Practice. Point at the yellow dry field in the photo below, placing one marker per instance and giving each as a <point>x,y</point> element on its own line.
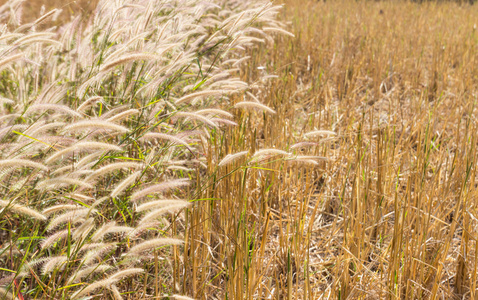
<point>391,212</point>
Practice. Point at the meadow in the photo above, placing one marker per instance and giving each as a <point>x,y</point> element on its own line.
<point>182,149</point>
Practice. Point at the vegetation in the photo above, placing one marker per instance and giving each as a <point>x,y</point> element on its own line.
<point>239,150</point>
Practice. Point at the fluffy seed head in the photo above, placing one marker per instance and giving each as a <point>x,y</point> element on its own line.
<point>153,244</point>
<point>230,158</point>
<point>158,188</point>
<point>251,104</point>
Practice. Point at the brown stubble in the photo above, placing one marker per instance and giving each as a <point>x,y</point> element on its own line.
<point>391,216</point>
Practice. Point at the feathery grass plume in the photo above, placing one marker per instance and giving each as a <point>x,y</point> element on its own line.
<point>313,157</point>
<point>113,167</point>
<point>15,162</point>
<point>59,182</point>
<point>8,36</point>
<point>180,297</point>
<point>88,102</point>
<point>79,197</point>
<point>164,136</point>
<point>6,280</point>
<point>97,253</point>
<point>4,100</point>
<point>159,204</point>
<point>123,185</point>
<point>224,121</point>
<point>158,188</point>
<point>70,216</point>
<point>26,268</point>
<point>266,152</point>
<point>159,212</point>
<point>43,128</point>
<point>93,286</point>
<point>82,231</point>
<point>86,84</point>
<point>303,144</point>
<point>59,171</point>
<point>90,246</point>
<point>8,117</point>
<point>100,232</point>
<point>230,84</point>
<point>190,133</point>
<point>140,228</point>
<point>263,78</point>
<point>277,30</point>
<point>34,35</point>
<point>230,158</point>
<point>99,201</point>
<point>109,228</point>
<point>50,241</point>
<point>53,263</point>
<point>126,273</point>
<point>80,173</point>
<point>179,168</point>
<point>320,132</point>
<point>195,116</point>
<point>95,124</point>
<point>9,129</point>
<point>214,111</point>
<point>129,58</point>
<point>46,16</point>
<point>43,40</point>
<point>54,107</point>
<point>241,60</point>
<point>200,94</point>
<point>82,146</point>
<point>23,210</point>
<point>89,159</point>
<point>114,289</point>
<point>123,115</point>
<point>87,271</point>
<point>10,59</point>
<point>252,104</point>
<point>153,244</point>
<point>303,160</point>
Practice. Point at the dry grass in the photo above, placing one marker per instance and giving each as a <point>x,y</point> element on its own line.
<point>347,170</point>
<point>393,213</point>
<point>33,9</point>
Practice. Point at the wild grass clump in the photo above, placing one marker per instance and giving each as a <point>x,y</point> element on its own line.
<point>104,135</point>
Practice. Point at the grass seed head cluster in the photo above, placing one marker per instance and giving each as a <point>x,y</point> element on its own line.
<point>104,126</point>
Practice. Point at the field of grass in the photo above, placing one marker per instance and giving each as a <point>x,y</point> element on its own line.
<point>239,150</point>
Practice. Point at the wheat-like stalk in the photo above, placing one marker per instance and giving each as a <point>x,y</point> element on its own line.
<point>255,105</point>
<point>320,132</point>
<point>161,211</point>
<point>159,204</point>
<point>152,244</point>
<point>230,158</point>
<point>20,209</point>
<point>158,188</point>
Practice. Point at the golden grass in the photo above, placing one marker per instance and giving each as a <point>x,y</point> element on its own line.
<point>385,209</point>
<point>393,215</point>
